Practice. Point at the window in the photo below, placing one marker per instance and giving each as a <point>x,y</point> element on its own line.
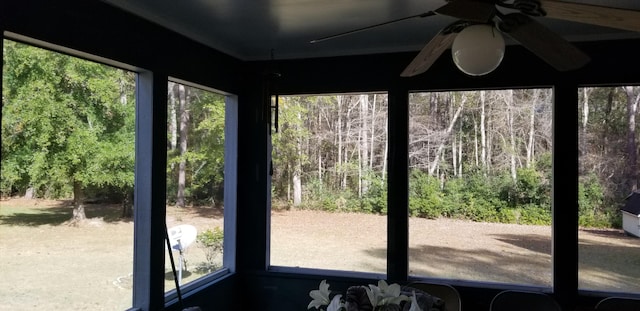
<point>328,184</point>
<point>200,171</point>
<point>479,186</point>
<point>609,248</point>
<point>66,232</point>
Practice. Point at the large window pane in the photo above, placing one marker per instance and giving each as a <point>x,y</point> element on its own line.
<point>328,183</point>
<point>195,182</point>
<point>480,180</point>
<point>609,249</point>
<point>66,233</point>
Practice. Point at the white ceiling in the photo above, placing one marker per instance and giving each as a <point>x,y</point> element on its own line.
<point>252,29</point>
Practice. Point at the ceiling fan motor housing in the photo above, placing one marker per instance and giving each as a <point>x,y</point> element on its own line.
<point>478,49</point>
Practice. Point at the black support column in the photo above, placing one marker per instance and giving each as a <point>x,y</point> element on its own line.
<point>398,186</point>
<point>565,195</point>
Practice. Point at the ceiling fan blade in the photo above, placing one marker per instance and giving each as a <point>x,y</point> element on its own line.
<point>430,53</point>
<point>544,43</point>
<point>469,10</point>
<point>425,14</point>
<point>593,14</point>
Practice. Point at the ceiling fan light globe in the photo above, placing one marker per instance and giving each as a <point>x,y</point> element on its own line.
<point>478,49</point>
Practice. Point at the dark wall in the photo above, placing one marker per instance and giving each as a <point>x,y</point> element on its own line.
<point>612,62</point>
<point>100,29</point>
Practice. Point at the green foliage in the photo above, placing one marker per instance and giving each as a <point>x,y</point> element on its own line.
<point>474,198</point>
<point>591,203</point>
<point>425,197</point>
<point>64,120</point>
<point>375,199</point>
<point>527,187</point>
<point>205,150</point>
<point>531,214</point>
<point>212,243</point>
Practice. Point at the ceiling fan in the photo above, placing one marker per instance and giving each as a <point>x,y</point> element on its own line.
<point>485,17</point>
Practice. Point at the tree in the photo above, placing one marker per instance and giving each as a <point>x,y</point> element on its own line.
<point>288,156</point>
<point>632,98</point>
<point>195,150</point>
<point>67,125</point>
<point>183,113</point>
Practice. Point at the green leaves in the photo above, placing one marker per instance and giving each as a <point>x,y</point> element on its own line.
<point>65,119</point>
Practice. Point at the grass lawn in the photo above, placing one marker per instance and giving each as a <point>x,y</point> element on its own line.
<point>49,265</point>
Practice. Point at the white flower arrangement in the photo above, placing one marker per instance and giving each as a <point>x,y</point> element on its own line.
<point>379,296</point>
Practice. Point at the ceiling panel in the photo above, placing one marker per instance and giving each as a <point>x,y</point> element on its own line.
<point>252,29</point>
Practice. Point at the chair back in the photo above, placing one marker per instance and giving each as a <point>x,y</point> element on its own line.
<point>523,301</point>
<point>618,304</point>
<point>445,292</point>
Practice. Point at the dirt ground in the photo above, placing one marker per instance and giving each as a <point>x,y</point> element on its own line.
<point>49,265</point>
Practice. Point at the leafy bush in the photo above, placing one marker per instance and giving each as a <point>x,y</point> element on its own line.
<point>375,200</point>
<point>527,187</point>
<point>590,203</point>
<point>425,197</point>
<point>531,214</point>
<point>212,243</point>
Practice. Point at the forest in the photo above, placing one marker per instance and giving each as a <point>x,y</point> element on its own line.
<point>480,155</point>
<point>68,132</point>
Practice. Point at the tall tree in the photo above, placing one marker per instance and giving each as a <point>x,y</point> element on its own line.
<point>184,115</point>
<point>65,125</point>
<point>632,97</point>
<point>447,133</point>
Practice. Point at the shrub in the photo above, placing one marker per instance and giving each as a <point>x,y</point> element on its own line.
<point>590,203</point>
<point>212,242</point>
<point>531,214</point>
<point>425,197</point>
<point>375,200</point>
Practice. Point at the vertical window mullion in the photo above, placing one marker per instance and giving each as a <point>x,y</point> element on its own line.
<point>230,181</point>
<point>565,195</point>
<point>149,191</point>
<point>398,186</point>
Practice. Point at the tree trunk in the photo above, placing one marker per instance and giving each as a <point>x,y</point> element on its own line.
<point>607,114</point>
<point>78,202</point>
<point>339,165</point>
<point>297,170</point>
<point>297,188</point>
<point>127,204</point>
<point>583,135</point>
<point>632,107</point>
<point>476,152</point>
<point>373,132</point>
<point>386,149</point>
<point>512,136</point>
<point>345,161</point>
<point>320,149</point>
<point>29,193</point>
<point>173,122</point>
<point>483,134</point>
<point>436,158</point>
<point>183,97</point>
<point>364,144</point>
<point>454,157</point>
<point>460,153</point>
<point>532,129</point>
